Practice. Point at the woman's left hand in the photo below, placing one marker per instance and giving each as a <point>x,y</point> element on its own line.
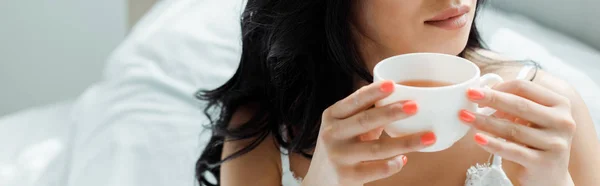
<point>536,124</point>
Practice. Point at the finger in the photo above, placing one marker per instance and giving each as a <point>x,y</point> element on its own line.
<point>521,122</point>
<point>372,135</point>
<point>374,118</point>
<point>516,106</point>
<point>362,99</point>
<point>383,148</point>
<point>508,150</point>
<point>505,129</point>
<point>376,170</point>
<point>530,91</point>
<point>502,115</point>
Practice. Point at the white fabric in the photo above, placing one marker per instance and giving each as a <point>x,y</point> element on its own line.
<point>35,145</point>
<point>288,178</point>
<point>142,126</point>
<point>525,71</point>
<point>488,174</point>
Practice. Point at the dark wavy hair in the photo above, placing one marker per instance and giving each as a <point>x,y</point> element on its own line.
<point>298,58</point>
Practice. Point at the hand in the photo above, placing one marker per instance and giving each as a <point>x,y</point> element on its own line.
<point>348,151</point>
<point>537,125</point>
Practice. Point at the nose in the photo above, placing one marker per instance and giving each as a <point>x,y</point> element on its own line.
<point>455,3</point>
<point>460,2</point>
<point>440,5</point>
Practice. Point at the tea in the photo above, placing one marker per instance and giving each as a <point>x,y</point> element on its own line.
<point>424,83</point>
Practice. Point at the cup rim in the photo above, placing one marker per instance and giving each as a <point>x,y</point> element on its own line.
<point>389,59</point>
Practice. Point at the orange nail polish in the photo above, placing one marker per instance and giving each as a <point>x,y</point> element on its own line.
<point>387,87</point>
<point>475,94</point>
<point>404,160</point>
<point>466,116</point>
<point>428,138</point>
<point>410,107</point>
<point>480,139</point>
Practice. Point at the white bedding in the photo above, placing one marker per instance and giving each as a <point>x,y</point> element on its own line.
<point>141,126</point>
<point>34,145</point>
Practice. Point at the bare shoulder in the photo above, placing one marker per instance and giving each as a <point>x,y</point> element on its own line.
<point>510,67</point>
<point>491,62</point>
<point>263,161</point>
<point>242,115</point>
<point>557,85</point>
<point>266,148</point>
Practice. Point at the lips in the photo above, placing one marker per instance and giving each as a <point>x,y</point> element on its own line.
<point>450,19</point>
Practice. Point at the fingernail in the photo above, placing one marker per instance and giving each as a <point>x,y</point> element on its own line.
<point>387,87</point>
<point>410,107</point>
<point>404,160</point>
<point>466,116</point>
<point>475,94</point>
<point>428,138</point>
<point>480,139</point>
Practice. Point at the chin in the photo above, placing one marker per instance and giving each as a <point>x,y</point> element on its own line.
<point>447,48</point>
<point>457,49</point>
<point>444,44</point>
<point>453,46</point>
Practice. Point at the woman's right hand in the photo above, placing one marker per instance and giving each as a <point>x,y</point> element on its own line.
<point>349,151</point>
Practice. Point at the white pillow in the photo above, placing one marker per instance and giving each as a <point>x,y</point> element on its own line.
<point>141,125</point>
<point>565,57</point>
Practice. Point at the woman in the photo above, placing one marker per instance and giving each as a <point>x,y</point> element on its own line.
<point>298,90</point>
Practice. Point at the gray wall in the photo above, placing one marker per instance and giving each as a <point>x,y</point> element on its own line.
<point>578,18</point>
<point>52,50</point>
<point>137,9</point>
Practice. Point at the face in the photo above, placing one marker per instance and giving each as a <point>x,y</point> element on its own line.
<point>384,28</point>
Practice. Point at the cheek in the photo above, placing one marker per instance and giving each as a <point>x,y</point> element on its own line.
<point>392,20</point>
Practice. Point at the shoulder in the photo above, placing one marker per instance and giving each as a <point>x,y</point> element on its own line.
<point>242,115</point>
<point>262,161</point>
<point>239,121</point>
<point>509,68</point>
<point>557,85</point>
<point>491,62</point>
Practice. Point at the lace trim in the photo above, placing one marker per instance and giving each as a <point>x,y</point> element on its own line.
<point>488,174</point>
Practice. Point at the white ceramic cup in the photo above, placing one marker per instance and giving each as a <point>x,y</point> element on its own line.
<point>438,106</point>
